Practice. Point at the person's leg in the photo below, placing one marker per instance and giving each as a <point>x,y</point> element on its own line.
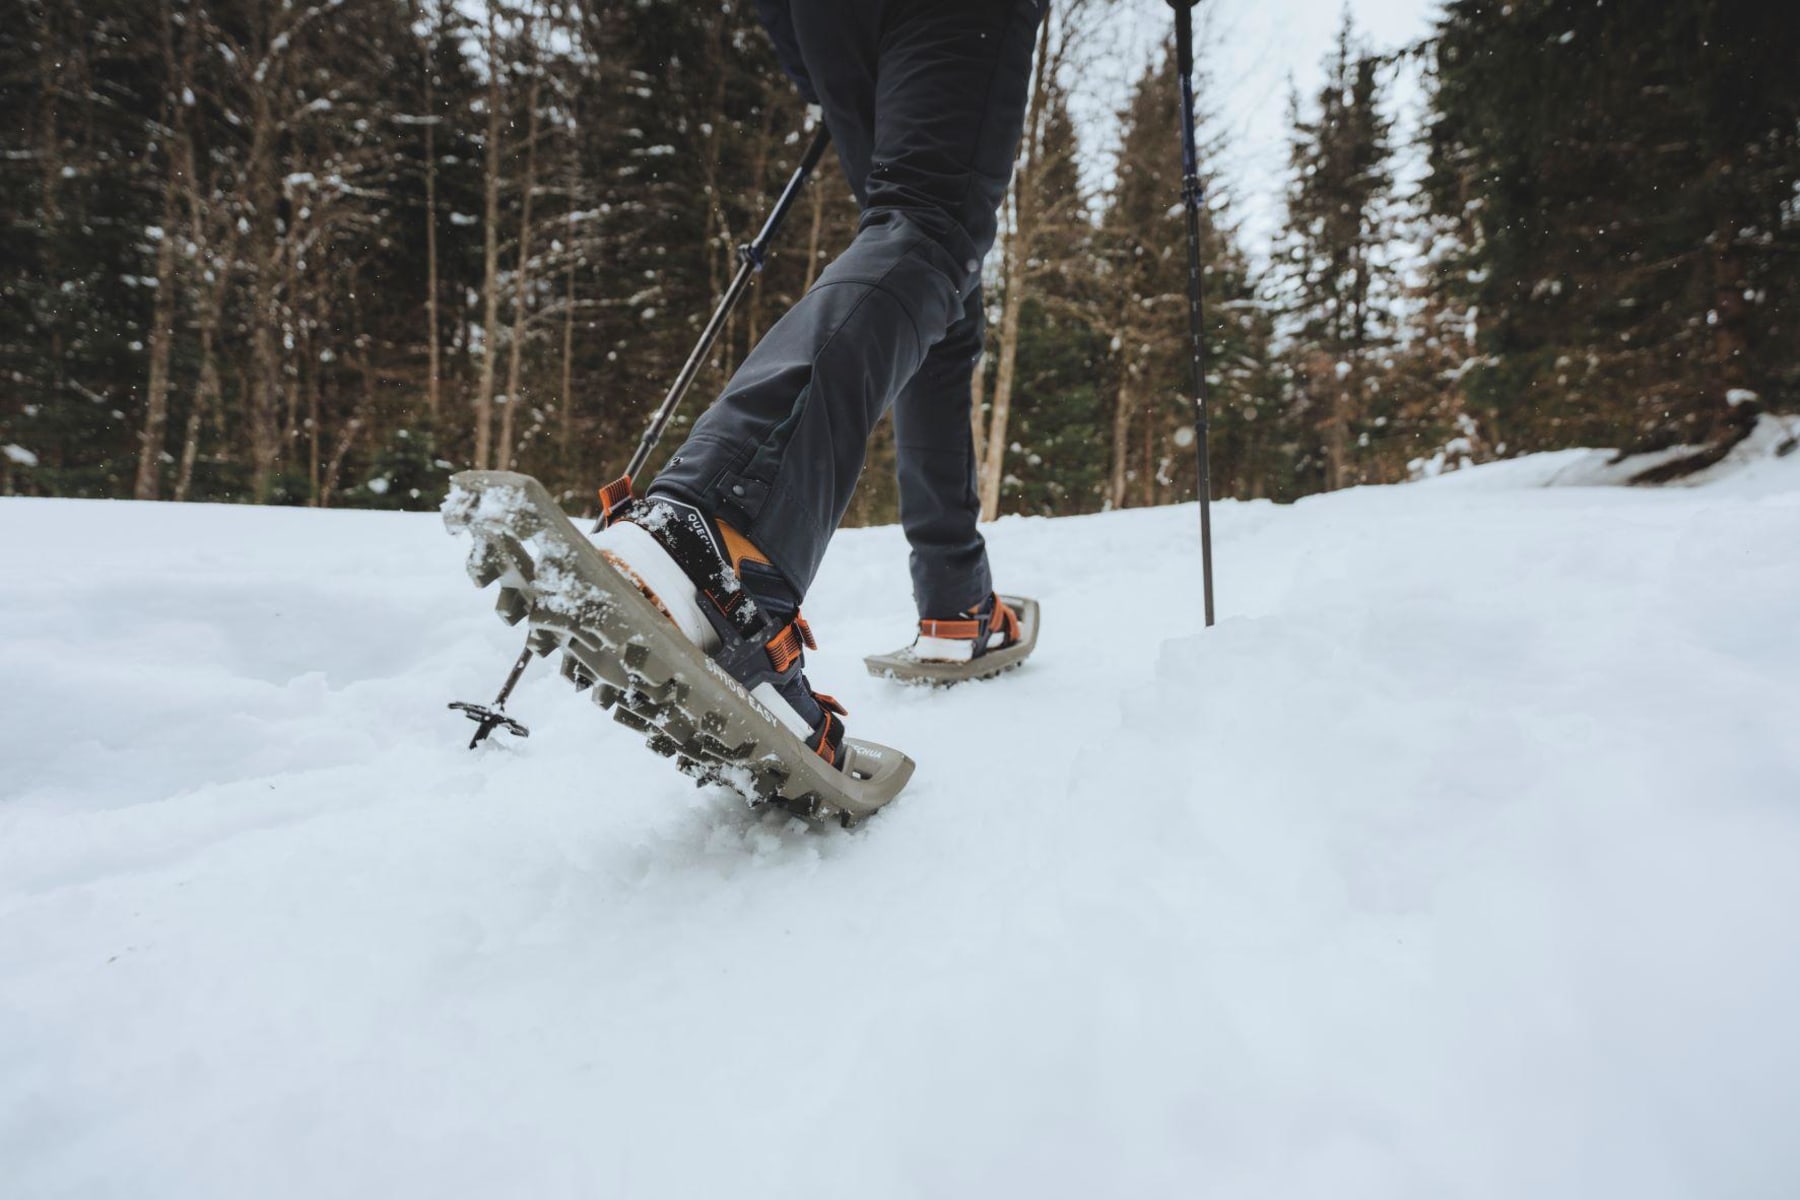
<point>779,455</point>
<point>940,508</point>
<point>934,450</point>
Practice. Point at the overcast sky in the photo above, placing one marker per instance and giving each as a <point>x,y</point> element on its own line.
<point>1250,50</point>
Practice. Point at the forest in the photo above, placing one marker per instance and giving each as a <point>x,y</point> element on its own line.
<point>328,252</point>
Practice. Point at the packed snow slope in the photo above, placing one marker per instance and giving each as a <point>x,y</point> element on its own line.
<point>1461,859</point>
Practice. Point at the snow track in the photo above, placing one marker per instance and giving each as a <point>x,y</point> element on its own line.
<point>1460,859</point>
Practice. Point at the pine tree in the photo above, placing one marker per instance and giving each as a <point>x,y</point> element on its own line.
<point>79,201</point>
<point>1623,177</point>
<point>1058,420</point>
<point>1336,288</point>
<point>1140,305</point>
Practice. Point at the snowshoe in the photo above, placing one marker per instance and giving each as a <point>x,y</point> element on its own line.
<point>995,637</point>
<point>633,645</point>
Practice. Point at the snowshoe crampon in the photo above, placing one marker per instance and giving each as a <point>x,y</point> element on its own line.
<point>618,646</point>
<point>907,667</point>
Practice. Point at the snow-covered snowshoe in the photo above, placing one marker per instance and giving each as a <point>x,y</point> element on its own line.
<point>996,636</point>
<point>638,655</point>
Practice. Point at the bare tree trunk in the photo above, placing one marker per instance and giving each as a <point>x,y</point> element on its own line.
<point>162,321</point>
<point>1121,444</point>
<point>1327,378</point>
<point>1336,443</point>
<point>205,395</point>
<point>347,437</point>
<point>51,67</point>
<point>1728,423</point>
<point>312,445</point>
<point>162,334</point>
<point>522,272</point>
<point>567,397</point>
<point>434,335</point>
<point>296,354</point>
<point>1147,481</point>
<point>1015,254</point>
<point>993,467</point>
<point>265,372</point>
<point>212,306</point>
<point>566,413</point>
<point>490,284</point>
<point>59,56</point>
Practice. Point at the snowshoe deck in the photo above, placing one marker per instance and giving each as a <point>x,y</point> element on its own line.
<point>637,663</point>
<point>905,667</point>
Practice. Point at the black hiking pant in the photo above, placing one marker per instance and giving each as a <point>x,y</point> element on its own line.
<point>925,100</point>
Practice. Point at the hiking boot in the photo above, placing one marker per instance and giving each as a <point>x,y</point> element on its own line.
<point>989,626</point>
<point>728,599</point>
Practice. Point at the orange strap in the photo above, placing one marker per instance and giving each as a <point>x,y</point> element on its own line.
<point>1006,621</point>
<point>784,647</point>
<point>966,631</point>
<point>823,748</point>
<point>613,499</point>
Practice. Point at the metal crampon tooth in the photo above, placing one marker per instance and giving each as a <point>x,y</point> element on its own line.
<point>676,724</point>
<point>597,661</point>
<point>575,673</point>
<point>496,555</point>
<point>631,720</point>
<point>644,665</point>
<point>714,748</point>
<point>512,604</point>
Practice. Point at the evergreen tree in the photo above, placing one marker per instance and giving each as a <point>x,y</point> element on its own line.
<point>1058,421</point>
<point>1141,307</point>
<point>1336,285</point>
<point>80,201</point>
<point>1623,178</point>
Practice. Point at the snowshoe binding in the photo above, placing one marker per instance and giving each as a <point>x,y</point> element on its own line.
<point>993,637</point>
<point>653,616</point>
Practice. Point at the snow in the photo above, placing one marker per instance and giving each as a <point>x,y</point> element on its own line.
<point>1759,460</point>
<point>1460,859</point>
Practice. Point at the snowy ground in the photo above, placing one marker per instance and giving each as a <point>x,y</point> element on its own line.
<point>1462,859</point>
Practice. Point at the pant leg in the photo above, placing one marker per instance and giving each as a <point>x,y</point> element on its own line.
<point>934,449</point>
<point>940,507</point>
<point>779,454</point>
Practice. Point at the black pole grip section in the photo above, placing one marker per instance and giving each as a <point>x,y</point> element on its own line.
<point>758,250</point>
<point>1191,197</point>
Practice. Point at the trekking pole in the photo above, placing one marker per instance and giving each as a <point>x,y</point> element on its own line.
<point>1190,199</point>
<point>751,257</point>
